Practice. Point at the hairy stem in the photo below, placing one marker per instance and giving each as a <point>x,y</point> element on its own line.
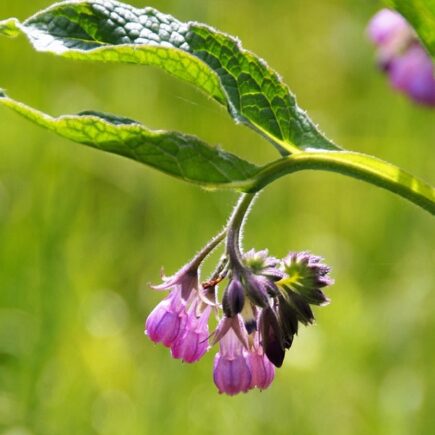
<point>210,246</point>
<point>357,165</point>
<point>234,227</point>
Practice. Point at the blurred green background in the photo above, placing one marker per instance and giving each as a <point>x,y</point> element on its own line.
<point>83,233</point>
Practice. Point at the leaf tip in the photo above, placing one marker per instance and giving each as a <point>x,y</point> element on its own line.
<point>10,27</point>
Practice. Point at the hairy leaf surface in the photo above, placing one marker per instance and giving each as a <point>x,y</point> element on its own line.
<point>109,31</point>
<point>174,153</point>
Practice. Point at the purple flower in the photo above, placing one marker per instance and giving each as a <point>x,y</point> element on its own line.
<point>185,280</point>
<point>165,321</point>
<point>232,370</point>
<point>413,73</point>
<point>169,317</point>
<point>402,57</point>
<point>262,370</point>
<point>192,341</point>
<point>388,28</point>
<point>262,305</point>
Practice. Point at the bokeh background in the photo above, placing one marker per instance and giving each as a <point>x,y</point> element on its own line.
<point>83,233</point>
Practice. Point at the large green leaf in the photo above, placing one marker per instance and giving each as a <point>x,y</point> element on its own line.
<point>421,14</point>
<point>109,31</point>
<point>176,154</point>
<point>192,160</point>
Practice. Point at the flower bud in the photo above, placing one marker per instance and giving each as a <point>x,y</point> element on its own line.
<point>304,276</point>
<point>260,263</point>
<point>259,288</point>
<point>402,56</point>
<point>388,26</point>
<point>413,73</point>
<point>288,321</point>
<point>271,337</point>
<point>233,299</point>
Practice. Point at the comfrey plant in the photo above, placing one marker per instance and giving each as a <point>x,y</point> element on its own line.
<point>263,301</point>
<point>257,300</point>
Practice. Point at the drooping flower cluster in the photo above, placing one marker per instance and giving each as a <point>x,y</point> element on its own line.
<point>402,57</point>
<point>177,322</point>
<point>262,304</point>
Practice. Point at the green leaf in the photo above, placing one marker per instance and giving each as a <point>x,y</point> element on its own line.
<point>109,31</point>
<point>421,14</point>
<point>176,154</point>
<point>192,160</point>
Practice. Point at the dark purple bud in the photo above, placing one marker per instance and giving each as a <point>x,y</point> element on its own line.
<point>257,288</point>
<point>271,337</point>
<point>288,321</point>
<point>233,299</point>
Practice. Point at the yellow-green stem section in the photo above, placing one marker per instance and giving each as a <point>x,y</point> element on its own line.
<point>356,165</point>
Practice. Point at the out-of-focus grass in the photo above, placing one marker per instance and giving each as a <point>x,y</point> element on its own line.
<point>82,234</point>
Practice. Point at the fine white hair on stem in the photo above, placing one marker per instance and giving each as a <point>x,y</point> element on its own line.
<point>245,218</point>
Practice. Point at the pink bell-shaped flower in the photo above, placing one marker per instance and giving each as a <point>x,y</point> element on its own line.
<point>166,320</point>
<point>232,371</point>
<point>192,341</point>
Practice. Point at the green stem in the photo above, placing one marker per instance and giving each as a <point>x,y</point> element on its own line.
<point>234,227</point>
<point>212,244</point>
<point>356,165</point>
<point>232,231</point>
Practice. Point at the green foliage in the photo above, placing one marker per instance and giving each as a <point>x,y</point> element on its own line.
<point>109,31</point>
<point>176,154</point>
<point>421,14</point>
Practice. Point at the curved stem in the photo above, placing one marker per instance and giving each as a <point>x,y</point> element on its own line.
<point>356,165</point>
<point>212,244</point>
<point>234,227</point>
